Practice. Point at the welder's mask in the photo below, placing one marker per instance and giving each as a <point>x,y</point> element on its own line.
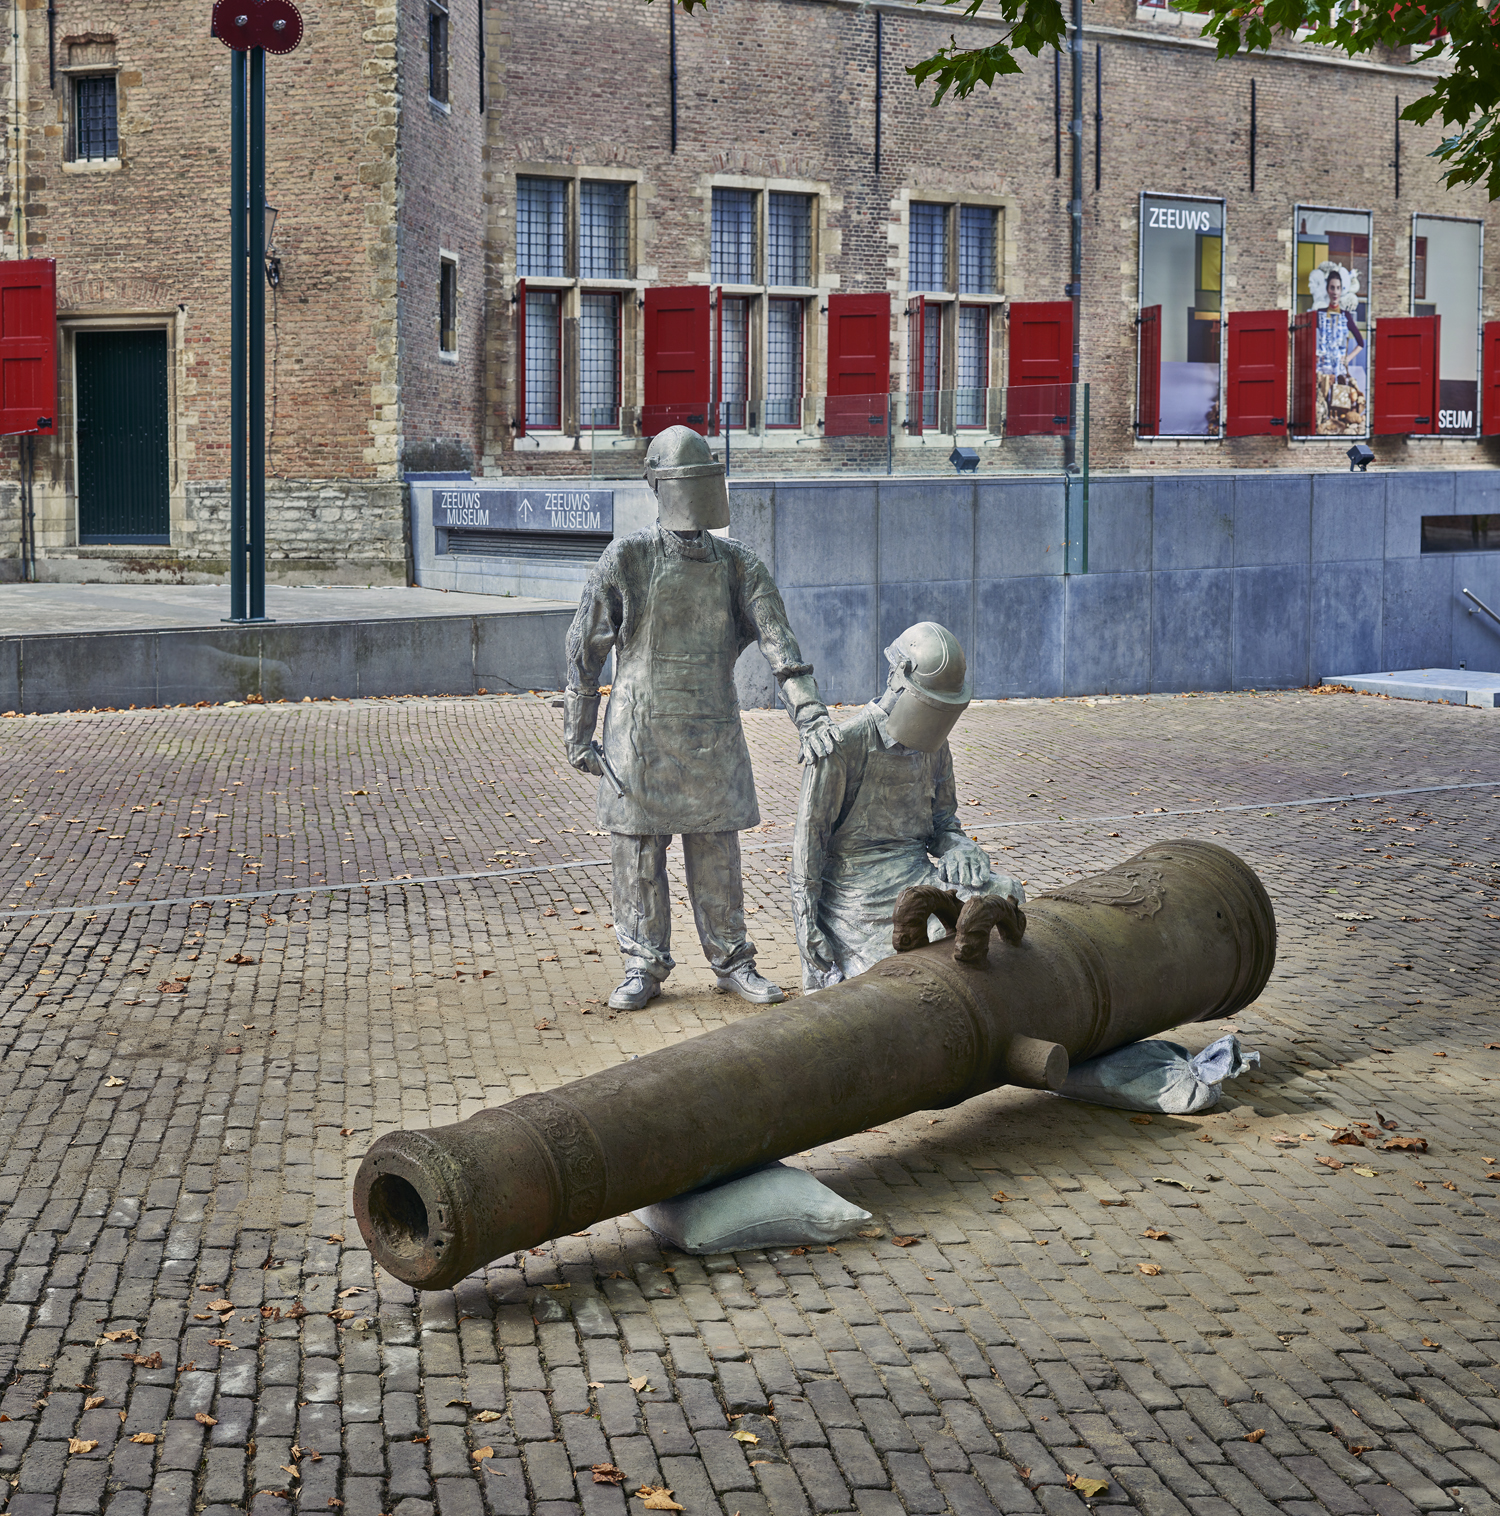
<point>691,494</point>
<point>930,676</point>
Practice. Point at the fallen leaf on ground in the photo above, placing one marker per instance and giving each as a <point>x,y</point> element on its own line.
<point>205,1420</point>
<point>80,1445</point>
<point>93,1402</point>
<point>1427,1342</point>
<point>221,1305</point>
<point>1351,916</point>
<point>354,1289</point>
<point>146,1438</point>
<point>1448,1184</point>
<point>639,1384</point>
<point>1327,1162</point>
<point>1114,1202</point>
<point>746,1437</point>
<point>657,1499</point>
<point>217,1342</point>
<point>1348,1138</point>
<point>1149,1268</point>
<point>1282,1140</point>
<point>1088,1488</point>
<point>871,1234</point>
<point>1000,1197</point>
<point>480,1454</point>
<point>238,958</point>
<point>1156,1234</point>
<point>129,1335</point>
<point>905,1242</point>
<point>112,1083</point>
<point>337,1236</point>
<point>1404,1144</point>
<point>1204,1137</point>
<point>1181,1184</point>
<point>1141,1120</point>
<point>607,1473</point>
<point>1256,1435</point>
<point>1360,1169</point>
<point>488,1416</point>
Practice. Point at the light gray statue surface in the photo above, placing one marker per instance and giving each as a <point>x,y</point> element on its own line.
<point>677,607</point>
<point>872,813</point>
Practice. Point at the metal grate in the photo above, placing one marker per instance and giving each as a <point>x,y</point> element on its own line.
<point>789,240</point>
<point>928,262</point>
<point>599,360</point>
<point>543,358</point>
<point>584,547</point>
<point>733,237</point>
<point>977,225</point>
<point>784,363</point>
<point>973,374</point>
<point>541,222</point>
<point>932,362</point>
<point>98,131</point>
<point>734,362</point>
<point>604,231</point>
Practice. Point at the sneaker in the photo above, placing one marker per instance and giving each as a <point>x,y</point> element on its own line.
<point>636,991</point>
<point>749,985</point>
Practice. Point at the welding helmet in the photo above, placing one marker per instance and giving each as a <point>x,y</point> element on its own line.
<point>931,679</point>
<point>688,484</point>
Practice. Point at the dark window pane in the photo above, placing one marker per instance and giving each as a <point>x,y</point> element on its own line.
<point>1461,534</point>
<point>599,359</point>
<point>789,245</point>
<point>540,205</point>
<point>929,247</point>
<point>784,363</point>
<point>976,250</point>
<point>543,359</point>
<point>98,134</point>
<point>733,251</point>
<point>604,231</point>
<point>437,53</point>
<point>448,306</point>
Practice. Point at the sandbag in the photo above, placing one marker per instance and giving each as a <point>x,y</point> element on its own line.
<point>774,1206</point>
<point>1156,1075</point>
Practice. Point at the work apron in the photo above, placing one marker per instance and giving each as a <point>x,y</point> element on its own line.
<point>672,731</point>
<point>880,850</point>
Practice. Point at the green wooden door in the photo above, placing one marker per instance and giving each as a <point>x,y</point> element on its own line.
<point>123,476</point>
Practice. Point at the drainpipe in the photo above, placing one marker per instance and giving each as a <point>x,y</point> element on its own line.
<point>1075,211</point>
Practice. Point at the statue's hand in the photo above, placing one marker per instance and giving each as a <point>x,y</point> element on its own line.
<point>818,735</point>
<point>964,867</point>
<point>586,761</point>
<point>830,976</point>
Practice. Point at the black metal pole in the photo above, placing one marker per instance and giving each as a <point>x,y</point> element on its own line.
<point>1056,113</point>
<point>255,273</point>
<point>1252,136</point>
<point>1098,113</point>
<point>1398,147</point>
<point>238,606</point>
<point>672,60</point>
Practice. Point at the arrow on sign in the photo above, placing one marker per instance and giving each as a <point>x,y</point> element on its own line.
<point>525,510</point>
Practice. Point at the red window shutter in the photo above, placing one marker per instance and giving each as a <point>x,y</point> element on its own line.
<point>1257,374</point>
<point>677,359</point>
<point>1406,366</point>
<point>1304,374</point>
<point>28,346</point>
<point>1038,398</point>
<point>859,365</point>
<point>520,357</point>
<point>1489,399</point>
<point>916,352</point>
<point>1148,380</point>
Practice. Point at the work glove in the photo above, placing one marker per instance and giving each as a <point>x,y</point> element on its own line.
<point>815,732</point>
<point>965,866</point>
<point>580,717</point>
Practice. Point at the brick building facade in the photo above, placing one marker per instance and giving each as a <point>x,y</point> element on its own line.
<point>493,222</point>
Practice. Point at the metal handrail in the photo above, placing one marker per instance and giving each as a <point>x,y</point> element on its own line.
<point>1482,606</point>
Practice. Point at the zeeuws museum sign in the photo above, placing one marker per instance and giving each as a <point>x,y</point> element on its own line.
<point>478,508</point>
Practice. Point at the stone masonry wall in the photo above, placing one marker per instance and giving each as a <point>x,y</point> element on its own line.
<point>785,90</point>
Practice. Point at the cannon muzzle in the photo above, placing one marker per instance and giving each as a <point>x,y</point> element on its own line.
<point>1183,931</point>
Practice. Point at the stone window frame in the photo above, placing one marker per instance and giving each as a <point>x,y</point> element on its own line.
<point>813,297</point>
<point>106,63</point>
<point>439,24</point>
<point>571,288</point>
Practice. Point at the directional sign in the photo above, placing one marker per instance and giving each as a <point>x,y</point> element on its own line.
<point>482,508</point>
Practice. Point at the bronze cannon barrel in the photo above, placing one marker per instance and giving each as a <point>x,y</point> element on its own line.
<point>1183,931</point>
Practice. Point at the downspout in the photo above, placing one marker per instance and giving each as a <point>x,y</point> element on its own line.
<point>1075,211</point>
<point>20,104</point>
<point>672,65</point>
<point>879,83</point>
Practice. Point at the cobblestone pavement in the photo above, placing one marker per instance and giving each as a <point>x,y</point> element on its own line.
<point>1219,1313</point>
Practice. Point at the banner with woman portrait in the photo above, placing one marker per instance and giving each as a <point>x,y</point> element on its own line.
<point>1333,295</point>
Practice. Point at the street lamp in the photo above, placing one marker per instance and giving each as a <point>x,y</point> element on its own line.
<point>273,262</point>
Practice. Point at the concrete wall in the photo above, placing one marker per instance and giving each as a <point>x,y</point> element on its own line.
<point>1201,581</point>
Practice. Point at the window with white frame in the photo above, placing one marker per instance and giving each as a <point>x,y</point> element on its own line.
<point>447,305</point>
<point>763,259</point>
<point>953,272</point>
<point>572,235</point>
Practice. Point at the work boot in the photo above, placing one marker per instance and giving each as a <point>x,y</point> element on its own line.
<point>635,992</point>
<point>748,985</point>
